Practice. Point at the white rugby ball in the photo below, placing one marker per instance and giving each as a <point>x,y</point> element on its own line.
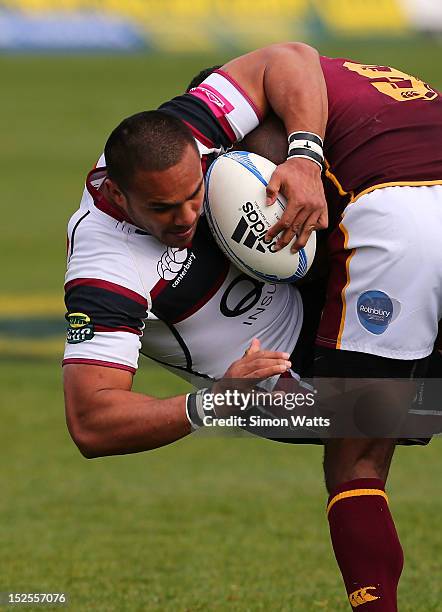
<point>239,219</point>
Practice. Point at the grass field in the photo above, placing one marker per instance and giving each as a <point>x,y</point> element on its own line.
<point>209,523</point>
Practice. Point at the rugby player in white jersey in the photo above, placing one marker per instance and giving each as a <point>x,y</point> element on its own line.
<point>146,275</point>
<point>138,266</point>
<point>147,190</point>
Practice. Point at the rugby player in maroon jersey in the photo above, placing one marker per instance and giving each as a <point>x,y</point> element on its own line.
<point>381,139</point>
<point>383,131</point>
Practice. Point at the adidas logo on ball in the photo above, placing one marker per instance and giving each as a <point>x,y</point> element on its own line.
<point>256,233</point>
<point>239,218</point>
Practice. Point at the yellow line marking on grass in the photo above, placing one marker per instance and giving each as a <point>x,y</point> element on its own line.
<point>32,348</point>
<point>17,306</point>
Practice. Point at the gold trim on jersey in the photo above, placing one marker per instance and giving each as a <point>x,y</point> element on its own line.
<point>344,288</point>
<point>329,174</point>
<point>355,493</point>
<point>355,198</point>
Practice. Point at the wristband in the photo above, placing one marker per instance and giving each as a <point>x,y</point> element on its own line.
<point>307,145</point>
<point>195,410</point>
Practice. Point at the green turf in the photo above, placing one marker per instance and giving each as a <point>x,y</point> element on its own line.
<point>205,524</point>
<point>208,523</point>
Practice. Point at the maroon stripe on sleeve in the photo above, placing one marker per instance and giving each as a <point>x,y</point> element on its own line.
<point>105,328</point>
<point>102,284</point>
<point>237,86</point>
<point>98,362</point>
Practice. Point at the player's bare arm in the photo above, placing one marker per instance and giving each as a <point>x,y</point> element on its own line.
<point>289,79</point>
<point>105,417</point>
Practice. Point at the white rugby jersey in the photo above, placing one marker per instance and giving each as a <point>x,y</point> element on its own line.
<point>188,309</point>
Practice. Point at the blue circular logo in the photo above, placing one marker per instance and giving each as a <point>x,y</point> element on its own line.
<point>375,311</point>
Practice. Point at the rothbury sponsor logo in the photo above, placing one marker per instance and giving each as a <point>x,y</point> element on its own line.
<point>376,311</point>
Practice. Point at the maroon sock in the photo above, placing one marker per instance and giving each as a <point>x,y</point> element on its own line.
<point>366,544</point>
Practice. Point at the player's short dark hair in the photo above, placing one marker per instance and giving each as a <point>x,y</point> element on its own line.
<point>149,141</point>
<point>201,76</point>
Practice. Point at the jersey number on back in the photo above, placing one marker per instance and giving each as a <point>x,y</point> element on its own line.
<point>394,83</point>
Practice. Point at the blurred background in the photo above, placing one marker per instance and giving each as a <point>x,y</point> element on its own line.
<point>209,523</point>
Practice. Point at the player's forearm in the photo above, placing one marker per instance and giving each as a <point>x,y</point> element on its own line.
<point>295,88</point>
<point>119,422</point>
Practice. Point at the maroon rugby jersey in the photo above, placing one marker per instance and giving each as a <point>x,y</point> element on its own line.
<point>384,127</point>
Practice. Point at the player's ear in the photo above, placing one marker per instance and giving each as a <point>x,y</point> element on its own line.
<point>113,192</point>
